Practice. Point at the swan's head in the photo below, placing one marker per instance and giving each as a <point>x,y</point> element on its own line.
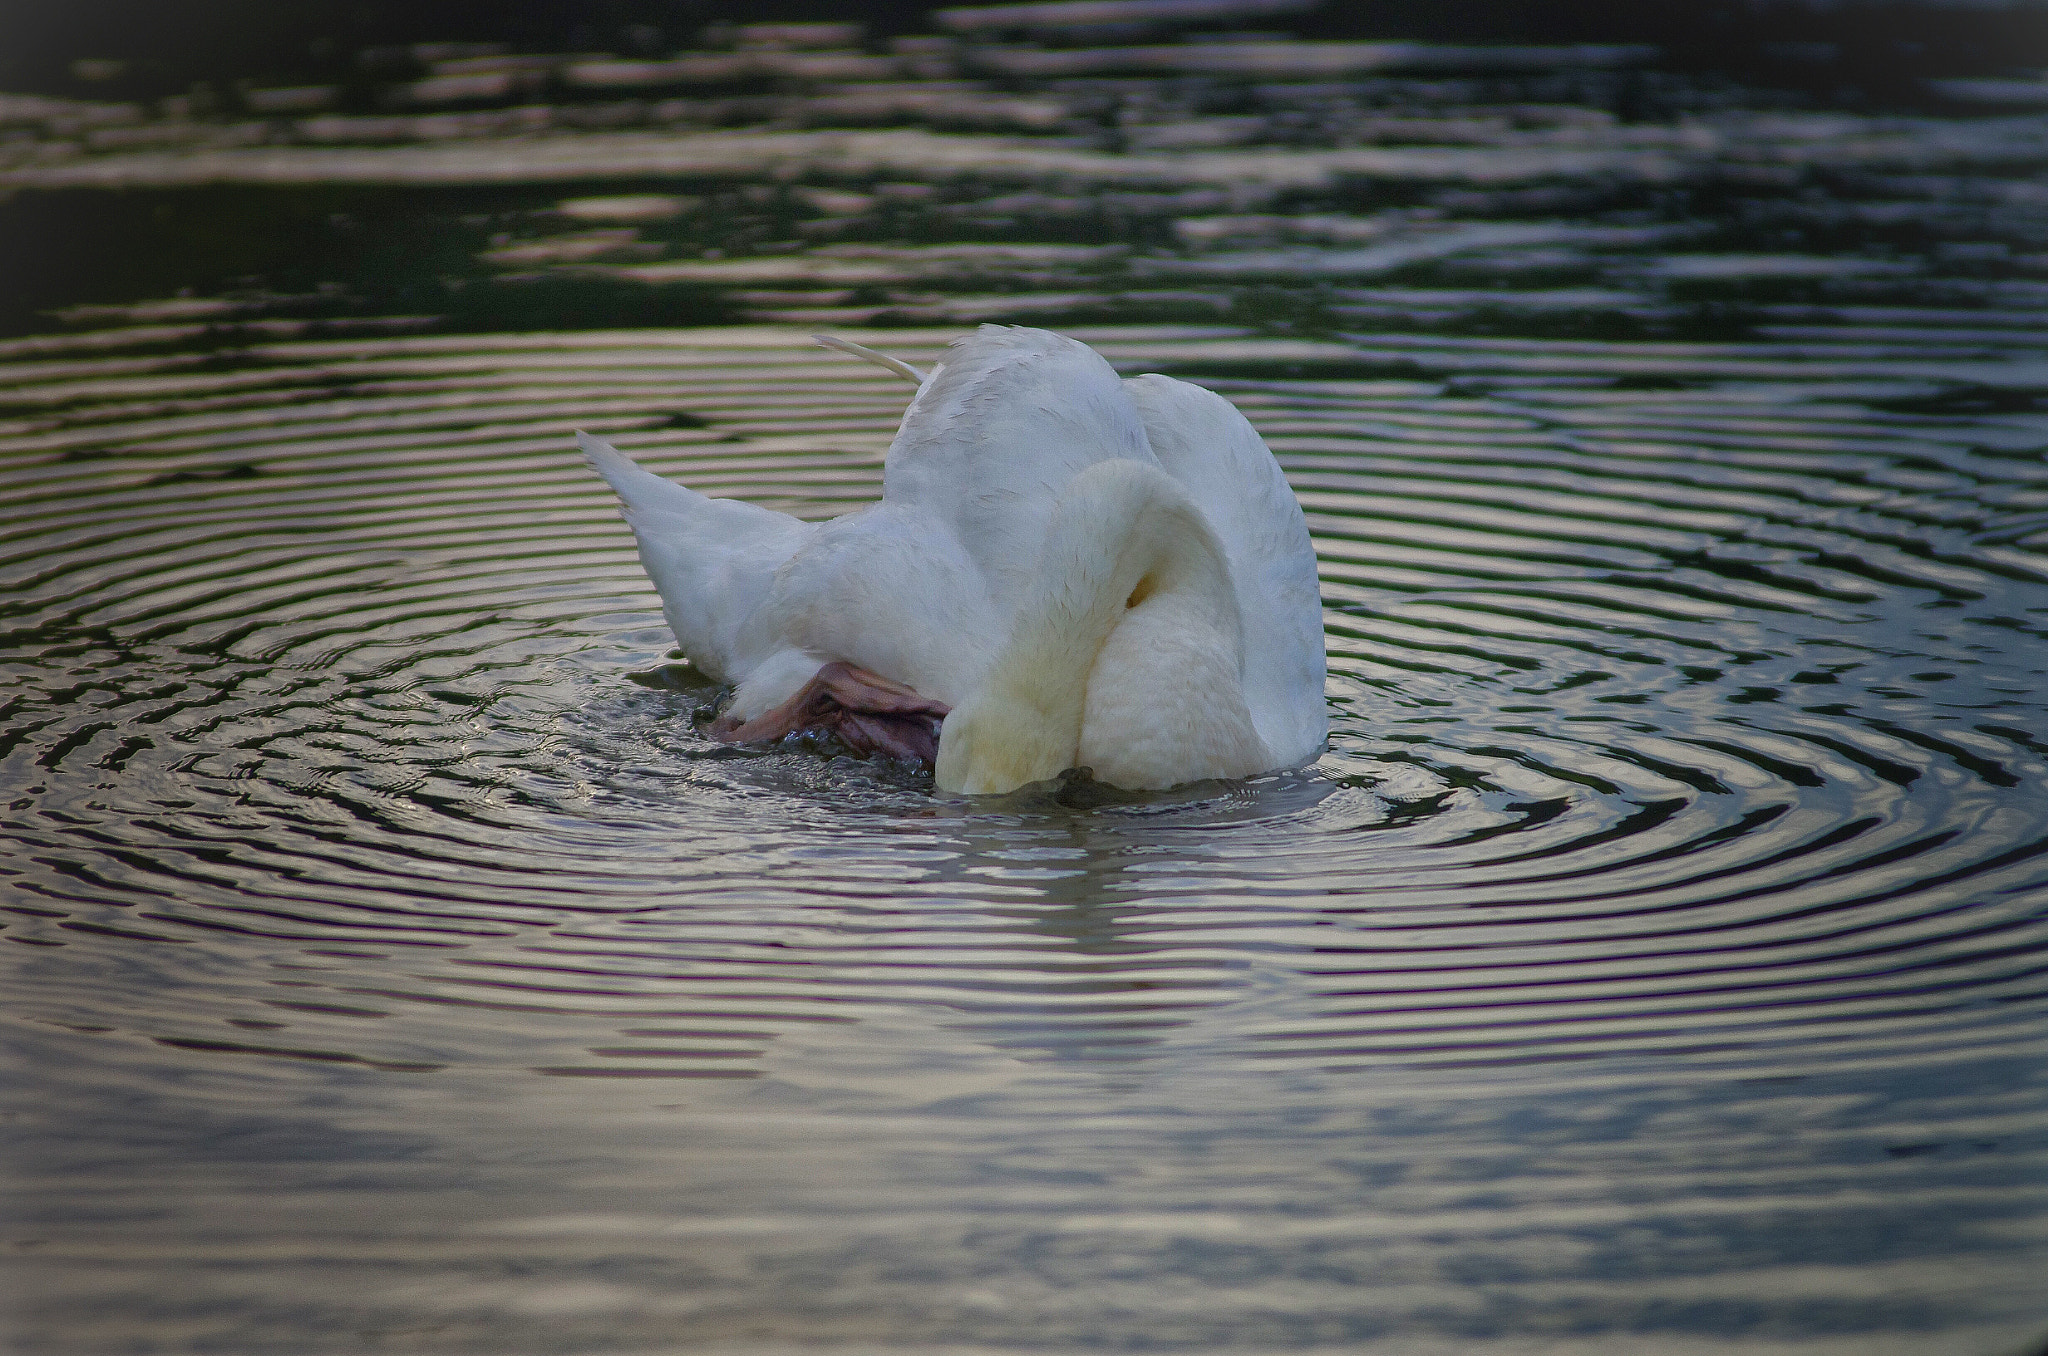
<point>1125,655</point>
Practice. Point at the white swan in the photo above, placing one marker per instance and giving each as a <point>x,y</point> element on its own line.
<point>1065,570</point>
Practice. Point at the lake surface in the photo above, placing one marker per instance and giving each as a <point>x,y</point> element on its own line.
<point>1656,962</point>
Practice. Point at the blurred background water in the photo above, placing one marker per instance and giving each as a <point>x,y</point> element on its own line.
<point>1655,963</point>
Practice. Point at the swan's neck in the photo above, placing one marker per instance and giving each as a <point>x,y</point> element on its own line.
<point>1125,655</point>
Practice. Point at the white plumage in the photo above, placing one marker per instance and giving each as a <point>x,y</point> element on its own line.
<point>1088,571</point>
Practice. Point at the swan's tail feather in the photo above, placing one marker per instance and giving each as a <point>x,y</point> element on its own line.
<point>879,359</point>
<point>638,488</point>
<point>712,560</point>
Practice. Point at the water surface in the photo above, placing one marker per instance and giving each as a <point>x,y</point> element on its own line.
<point>1653,963</point>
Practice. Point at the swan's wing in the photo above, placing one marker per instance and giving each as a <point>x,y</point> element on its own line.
<point>1212,449</point>
<point>996,433</point>
<point>890,591</point>
<point>712,560</point>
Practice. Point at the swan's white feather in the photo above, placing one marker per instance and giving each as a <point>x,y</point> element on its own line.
<point>996,433</point>
<point>891,590</point>
<point>1206,443</point>
<point>941,585</point>
<point>1128,658</point>
<point>713,561</point>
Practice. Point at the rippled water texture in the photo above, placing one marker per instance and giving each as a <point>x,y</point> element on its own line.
<point>1653,964</point>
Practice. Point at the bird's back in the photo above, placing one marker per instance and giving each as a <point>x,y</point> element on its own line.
<point>997,432</point>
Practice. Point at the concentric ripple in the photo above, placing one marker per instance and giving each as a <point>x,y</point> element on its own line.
<point>1679,724</point>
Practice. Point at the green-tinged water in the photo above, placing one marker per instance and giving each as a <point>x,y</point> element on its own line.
<point>1654,964</point>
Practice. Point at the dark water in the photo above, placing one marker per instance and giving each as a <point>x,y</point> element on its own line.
<point>1655,963</point>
